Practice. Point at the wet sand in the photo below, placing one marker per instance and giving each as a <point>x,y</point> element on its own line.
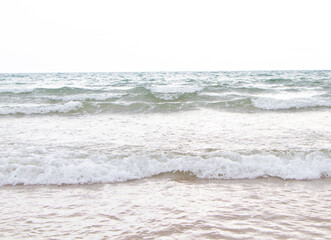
<point>169,206</point>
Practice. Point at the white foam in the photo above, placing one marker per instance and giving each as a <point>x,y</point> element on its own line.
<point>174,89</point>
<point>269,103</point>
<point>171,92</point>
<point>40,109</point>
<point>58,169</point>
<point>85,97</point>
<point>16,90</point>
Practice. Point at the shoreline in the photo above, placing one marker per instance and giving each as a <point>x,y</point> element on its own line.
<point>179,177</point>
<point>169,207</point>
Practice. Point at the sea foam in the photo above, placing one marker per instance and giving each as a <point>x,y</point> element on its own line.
<point>269,103</point>
<point>172,92</point>
<point>41,109</point>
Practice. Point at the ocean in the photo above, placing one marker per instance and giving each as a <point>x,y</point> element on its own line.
<point>166,155</point>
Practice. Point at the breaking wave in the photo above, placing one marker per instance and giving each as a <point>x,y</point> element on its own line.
<point>296,103</point>
<point>107,169</point>
<point>41,109</point>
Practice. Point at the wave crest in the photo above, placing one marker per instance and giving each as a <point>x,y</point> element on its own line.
<point>267,103</point>
<point>42,109</point>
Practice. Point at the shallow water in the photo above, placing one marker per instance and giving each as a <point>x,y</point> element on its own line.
<point>170,206</point>
<point>207,143</point>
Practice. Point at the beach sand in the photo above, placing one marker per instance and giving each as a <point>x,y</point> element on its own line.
<point>169,206</point>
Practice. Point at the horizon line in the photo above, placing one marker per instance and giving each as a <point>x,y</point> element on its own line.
<point>170,71</point>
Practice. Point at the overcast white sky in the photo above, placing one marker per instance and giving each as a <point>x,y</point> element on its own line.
<point>168,35</point>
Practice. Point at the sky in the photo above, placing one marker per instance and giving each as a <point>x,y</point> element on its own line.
<point>168,35</point>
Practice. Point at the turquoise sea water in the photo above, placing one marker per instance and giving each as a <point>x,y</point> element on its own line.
<point>93,93</point>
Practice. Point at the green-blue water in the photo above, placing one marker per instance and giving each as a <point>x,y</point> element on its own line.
<point>92,93</point>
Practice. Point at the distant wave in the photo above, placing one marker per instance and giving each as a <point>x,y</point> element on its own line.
<point>278,80</point>
<point>4,91</point>
<point>41,109</point>
<point>148,103</point>
<point>86,97</point>
<point>268,103</point>
<point>163,92</point>
<point>44,90</point>
<point>55,170</point>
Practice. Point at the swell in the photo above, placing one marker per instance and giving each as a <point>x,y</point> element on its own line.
<point>269,103</point>
<point>72,106</point>
<point>149,103</point>
<point>238,95</point>
<point>43,90</point>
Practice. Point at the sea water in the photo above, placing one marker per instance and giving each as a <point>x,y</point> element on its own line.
<point>242,131</point>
